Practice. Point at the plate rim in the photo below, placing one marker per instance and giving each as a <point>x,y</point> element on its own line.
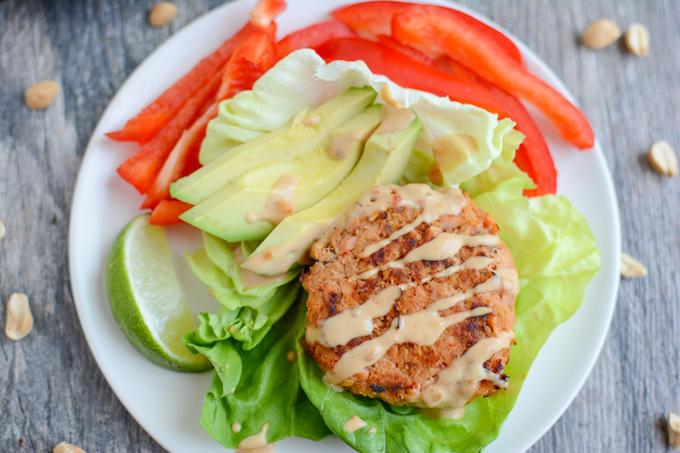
<point>79,188</point>
<point>614,278</point>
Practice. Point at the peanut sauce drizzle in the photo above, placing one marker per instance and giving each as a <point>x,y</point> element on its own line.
<point>279,204</point>
<point>256,443</point>
<point>456,384</point>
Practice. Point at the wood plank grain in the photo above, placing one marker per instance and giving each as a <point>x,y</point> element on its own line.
<point>50,386</point>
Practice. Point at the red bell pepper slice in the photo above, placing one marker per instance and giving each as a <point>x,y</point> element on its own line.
<point>147,123</point>
<point>445,64</point>
<point>401,69</point>
<point>424,27</point>
<point>141,169</point>
<point>173,167</point>
<point>409,51</point>
<point>312,37</point>
<point>264,13</point>
<point>372,19</point>
<point>167,212</point>
<point>249,61</point>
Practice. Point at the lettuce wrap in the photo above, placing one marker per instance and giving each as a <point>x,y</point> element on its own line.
<point>250,341</point>
<point>556,256</point>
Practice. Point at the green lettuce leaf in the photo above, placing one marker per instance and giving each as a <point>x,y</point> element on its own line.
<point>247,313</point>
<point>555,254</point>
<point>247,342</point>
<point>262,387</point>
<point>246,324</point>
<point>218,267</point>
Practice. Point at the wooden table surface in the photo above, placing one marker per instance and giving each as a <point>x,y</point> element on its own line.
<point>50,387</point>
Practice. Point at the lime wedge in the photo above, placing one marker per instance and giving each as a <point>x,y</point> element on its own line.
<point>146,298</point>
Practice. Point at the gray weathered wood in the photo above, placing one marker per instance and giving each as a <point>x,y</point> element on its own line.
<point>50,387</point>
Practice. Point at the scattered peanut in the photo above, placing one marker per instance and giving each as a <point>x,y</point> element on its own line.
<point>663,159</point>
<point>65,447</point>
<point>600,34</point>
<point>19,320</point>
<point>632,268</point>
<point>674,430</point>
<point>3,230</point>
<point>162,14</point>
<point>637,40</point>
<point>41,95</point>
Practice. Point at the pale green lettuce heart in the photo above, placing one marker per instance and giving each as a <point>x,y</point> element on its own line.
<point>303,80</point>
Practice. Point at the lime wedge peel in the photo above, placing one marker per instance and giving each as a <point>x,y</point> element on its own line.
<point>146,298</point>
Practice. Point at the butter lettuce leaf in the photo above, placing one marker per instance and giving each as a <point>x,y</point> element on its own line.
<point>465,138</point>
<point>247,313</point>
<point>247,342</point>
<point>245,324</point>
<point>276,97</point>
<point>556,256</point>
<point>217,265</point>
<point>267,389</point>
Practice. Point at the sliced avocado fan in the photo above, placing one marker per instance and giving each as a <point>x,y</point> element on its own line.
<point>281,145</point>
<point>383,161</point>
<point>249,207</point>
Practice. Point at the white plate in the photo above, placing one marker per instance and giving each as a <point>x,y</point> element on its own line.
<point>168,404</point>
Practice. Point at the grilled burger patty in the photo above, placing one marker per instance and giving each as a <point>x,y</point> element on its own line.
<point>398,252</point>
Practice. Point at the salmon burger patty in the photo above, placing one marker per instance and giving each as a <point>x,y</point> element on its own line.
<point>411,299</point>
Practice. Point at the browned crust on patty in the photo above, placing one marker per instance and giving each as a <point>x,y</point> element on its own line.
<point>405,368</point>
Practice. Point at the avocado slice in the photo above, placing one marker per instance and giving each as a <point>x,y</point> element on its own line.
<point>384,159</point>
<point>283,144</point>
<point>248,208</point>
<point>209,154</point>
